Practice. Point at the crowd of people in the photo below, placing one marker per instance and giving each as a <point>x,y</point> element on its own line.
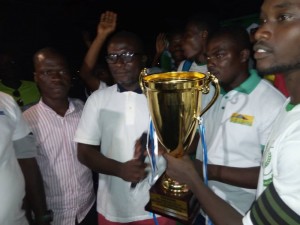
<point>67,160</point>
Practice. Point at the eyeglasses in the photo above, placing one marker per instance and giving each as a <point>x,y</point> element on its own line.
<point>126,57</point>
<point>53,72</point>
<point>17,94</point>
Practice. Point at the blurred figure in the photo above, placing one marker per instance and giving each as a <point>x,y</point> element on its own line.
<point>95,74</point>
<point>169,53</point>
<point>24,92</point>
<point>19,170</point>
<point>197,30</point>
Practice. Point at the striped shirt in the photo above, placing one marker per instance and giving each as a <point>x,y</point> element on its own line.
<point>68,183</point>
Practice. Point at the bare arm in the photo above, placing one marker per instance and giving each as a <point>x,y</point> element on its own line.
<point>106,26</point>
<point>131,171</point>
<point>35,194</point>
<point>220,212</point>
<point>240,177</point>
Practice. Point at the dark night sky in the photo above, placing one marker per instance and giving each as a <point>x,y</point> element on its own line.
<point>27,25</point>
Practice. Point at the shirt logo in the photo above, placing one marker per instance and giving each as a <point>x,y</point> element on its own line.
<point>242,119</point>
<point>2,113</point>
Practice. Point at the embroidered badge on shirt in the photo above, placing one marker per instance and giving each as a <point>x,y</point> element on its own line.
<point>242,119</point>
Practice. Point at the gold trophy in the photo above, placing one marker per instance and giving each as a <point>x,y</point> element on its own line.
<point>174,101</point>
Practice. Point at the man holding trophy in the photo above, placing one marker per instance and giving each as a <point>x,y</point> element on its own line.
<point>278,189</point>
<point>112,120</point>
<point>238,124</point>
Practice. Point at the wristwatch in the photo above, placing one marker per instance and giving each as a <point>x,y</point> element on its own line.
<point>46,218</point>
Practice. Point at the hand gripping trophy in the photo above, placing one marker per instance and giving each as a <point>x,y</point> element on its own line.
<point>174,101</point>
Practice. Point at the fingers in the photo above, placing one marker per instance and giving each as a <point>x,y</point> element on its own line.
<point>108,17</point>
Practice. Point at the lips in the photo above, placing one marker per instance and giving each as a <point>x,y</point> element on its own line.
<point>214,72</point>
<point>261,51</point>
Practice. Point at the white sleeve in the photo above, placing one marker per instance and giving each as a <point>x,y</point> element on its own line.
<point>25,147</point>
<point>88,130</point>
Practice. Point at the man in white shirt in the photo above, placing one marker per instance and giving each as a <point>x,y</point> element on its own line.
<point>17,144</point>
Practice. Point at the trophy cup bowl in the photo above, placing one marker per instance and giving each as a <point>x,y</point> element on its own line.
<point>174,102</point>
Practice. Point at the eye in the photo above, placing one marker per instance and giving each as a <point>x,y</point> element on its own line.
<point>262,20</point>
<point>128,54</point>
<point>46,72</point>
<point>63,72</point>
<point>220,55</point>
<point>284,17</point>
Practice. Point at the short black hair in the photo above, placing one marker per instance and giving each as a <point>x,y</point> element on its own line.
<point>205,21</point>
<point>237,34</point>
<point>124,34</point>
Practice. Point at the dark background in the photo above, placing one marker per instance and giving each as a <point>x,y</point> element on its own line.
<point>27,25</point>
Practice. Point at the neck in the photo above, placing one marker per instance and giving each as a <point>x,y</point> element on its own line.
<point>130,87</point>
<point>240,78</point>
<point>201,60</point>
<point>292,81</point>
<point>60,106</point>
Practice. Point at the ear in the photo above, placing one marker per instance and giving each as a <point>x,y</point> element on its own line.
<point>245,54</point>
<point>34,77</point>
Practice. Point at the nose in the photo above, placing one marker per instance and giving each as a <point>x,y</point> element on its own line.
<point>211,62</point>
<point>263,32</point>
<point>121,60</point>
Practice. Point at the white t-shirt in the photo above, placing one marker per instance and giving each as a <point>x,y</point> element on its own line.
<point>12,188</point>
<point>194,67</point>
<point>116,120</point>
<point>237,127</point>
<point>281,160</point>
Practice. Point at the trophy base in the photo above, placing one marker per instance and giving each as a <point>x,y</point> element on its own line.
<point>183,208</point>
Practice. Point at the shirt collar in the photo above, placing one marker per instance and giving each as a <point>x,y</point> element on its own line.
<point>248,85</point>
<point>122,89</point>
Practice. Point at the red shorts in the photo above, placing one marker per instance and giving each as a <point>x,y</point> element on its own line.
<point>161,221</point>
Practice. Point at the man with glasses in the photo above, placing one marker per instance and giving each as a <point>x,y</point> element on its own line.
<point>112,120</point>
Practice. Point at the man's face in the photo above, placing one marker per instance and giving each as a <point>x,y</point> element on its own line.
<point>224,60</point>
<point>193,42</point>
<point>175,47</point>
<point>277,49</point>
<point>8,67</point>
<point>52,76</point>
<point>129,62</point>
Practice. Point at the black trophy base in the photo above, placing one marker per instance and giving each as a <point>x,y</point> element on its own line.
<point>183,207</point>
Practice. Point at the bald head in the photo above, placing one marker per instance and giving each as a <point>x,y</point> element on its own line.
<point>47,52</point>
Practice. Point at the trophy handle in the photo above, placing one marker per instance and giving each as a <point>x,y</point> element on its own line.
<point>142,85</point>
<point>205,89</point>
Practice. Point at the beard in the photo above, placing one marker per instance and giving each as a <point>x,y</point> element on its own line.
<point>279,69</point>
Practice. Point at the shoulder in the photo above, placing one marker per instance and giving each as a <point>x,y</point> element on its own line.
<point>8,104</point>
<point>31,112</point>
<point>77,103</point>
<point>104,92</point>
<point>270,91</point>
<point>5,98</point>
